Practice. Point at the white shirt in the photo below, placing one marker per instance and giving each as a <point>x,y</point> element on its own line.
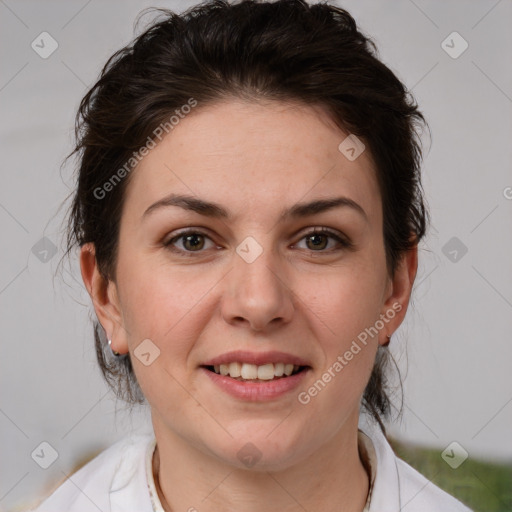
<point>120,479</point>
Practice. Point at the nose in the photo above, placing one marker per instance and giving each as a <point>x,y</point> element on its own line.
<point>257,293</point>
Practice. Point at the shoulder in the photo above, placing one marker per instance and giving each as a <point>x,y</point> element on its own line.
<point>397,486</point>
<point>421,494</point>
<point>116,475</point>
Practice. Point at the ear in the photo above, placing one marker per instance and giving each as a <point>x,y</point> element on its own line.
<point>105,299</point>
<point>398,293</point>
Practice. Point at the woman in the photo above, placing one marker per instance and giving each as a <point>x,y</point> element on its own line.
<point>249,209</point>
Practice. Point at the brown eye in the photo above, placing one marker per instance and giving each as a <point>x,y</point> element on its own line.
<point>318,241</point>
<point>191,241</point>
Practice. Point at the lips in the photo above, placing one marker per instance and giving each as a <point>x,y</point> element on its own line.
<point>256,390</point>
<point>256,376</point>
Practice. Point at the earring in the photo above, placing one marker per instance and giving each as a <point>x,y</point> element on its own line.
<point>387,342</point>
<point>117,354</point>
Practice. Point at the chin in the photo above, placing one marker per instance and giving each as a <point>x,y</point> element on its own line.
<point>256,450</point>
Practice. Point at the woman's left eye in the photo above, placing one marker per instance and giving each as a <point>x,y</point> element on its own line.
<point>317,240</point>
<point>318,236</point>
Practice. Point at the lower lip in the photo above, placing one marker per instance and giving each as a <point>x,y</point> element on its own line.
<point>257,391</point>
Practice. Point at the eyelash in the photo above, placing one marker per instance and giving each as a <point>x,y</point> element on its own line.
<point>343,242</point>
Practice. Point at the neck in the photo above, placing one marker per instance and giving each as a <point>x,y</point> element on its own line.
<point>332,479</point>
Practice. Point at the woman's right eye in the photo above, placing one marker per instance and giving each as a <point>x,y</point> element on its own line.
<point>191,240</point>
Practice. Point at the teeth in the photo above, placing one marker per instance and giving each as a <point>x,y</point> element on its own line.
<point>235,369</point>
<point>288,369</point>
<point>266,372</point>
<point>248,371</point>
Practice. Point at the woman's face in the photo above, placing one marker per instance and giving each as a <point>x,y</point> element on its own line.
<point>251,283</point>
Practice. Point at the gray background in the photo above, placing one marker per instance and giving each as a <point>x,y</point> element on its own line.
<point>454,349</point>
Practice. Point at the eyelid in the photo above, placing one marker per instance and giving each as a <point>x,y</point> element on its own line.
<point>187,231</point>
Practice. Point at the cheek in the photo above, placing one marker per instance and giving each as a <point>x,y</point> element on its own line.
<point>161,303</point>
<point>345,301</point>
<point>167,307</point>
<point>344,309</point>
<point>348,347</point>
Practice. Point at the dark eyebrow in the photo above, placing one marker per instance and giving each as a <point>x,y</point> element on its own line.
<point>189,203</point>
<point>209,209</point>
<point>322,205</point>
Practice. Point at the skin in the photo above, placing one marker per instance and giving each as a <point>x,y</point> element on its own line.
<point>254,159</point>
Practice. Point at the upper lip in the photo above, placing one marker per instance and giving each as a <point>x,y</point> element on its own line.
<point>257,358</point>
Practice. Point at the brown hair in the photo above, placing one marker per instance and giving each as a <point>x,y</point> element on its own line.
<point>285,50</point>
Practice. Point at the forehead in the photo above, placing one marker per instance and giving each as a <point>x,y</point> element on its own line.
<point>254,157</point>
